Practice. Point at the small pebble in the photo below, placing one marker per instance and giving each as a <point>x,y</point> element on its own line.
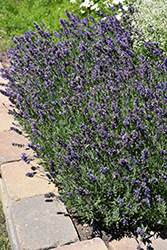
<point>85,225</point>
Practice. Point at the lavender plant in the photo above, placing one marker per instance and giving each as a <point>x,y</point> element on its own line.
<point>94,108</point>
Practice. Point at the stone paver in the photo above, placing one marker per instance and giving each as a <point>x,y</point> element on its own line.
<point>159,242</point>
<point>19,186</point>
<point>94,244</point>
<point>6,120</point>
<point>4,99</point>
<point>3,81</point>
<point>153,242</point>
<point>7,151</point>
<point>42,225</point>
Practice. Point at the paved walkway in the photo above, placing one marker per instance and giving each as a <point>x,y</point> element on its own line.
<point>33,222</point>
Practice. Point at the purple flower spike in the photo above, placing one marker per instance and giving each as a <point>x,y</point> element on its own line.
<point>48,175</point>
<point>137,191</point>
<point>140,231</point>
<point>31,175</point>
<point>121,202</point>
<point>69,194</point>
<point>110,193</point>
<point>125,222</point>
<point>82,192</point>
<point>24,158</point>
<point>93,178</point>
<point>61,199</point>
<point>103,170</point>
<point>165,63</point>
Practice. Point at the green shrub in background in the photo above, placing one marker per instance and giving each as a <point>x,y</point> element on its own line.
<point>94,6</point>
<point>151,18</point>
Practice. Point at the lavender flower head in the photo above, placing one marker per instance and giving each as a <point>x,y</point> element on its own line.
<point>25,158</point>
<point>104,170</point>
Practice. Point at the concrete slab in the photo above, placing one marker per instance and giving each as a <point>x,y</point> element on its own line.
<point>19,186</point>
<point>94,244</point>
<point>154,241</point>
<point>42,225</point>
<point>7,151</point>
